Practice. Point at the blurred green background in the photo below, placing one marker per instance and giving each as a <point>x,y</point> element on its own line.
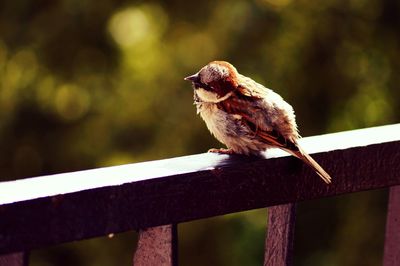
<point>85,84</point>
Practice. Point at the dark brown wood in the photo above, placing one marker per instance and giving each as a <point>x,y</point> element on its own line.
<point>48,210</point>
<point>157,246</point>
<point>280,235</point>
<point>391,255</point>
<point>14,259</point>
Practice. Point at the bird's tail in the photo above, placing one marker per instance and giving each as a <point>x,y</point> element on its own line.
<point>302,155</point>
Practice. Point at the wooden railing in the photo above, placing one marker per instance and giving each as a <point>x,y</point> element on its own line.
<point>153,197</point>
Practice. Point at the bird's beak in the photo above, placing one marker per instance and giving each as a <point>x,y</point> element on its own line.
<point>193,78</point>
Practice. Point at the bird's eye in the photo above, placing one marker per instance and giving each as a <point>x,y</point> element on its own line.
<point>199,84</point>
<point>207,87</point>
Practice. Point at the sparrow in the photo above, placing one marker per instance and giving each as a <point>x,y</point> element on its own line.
<point>246,116</point>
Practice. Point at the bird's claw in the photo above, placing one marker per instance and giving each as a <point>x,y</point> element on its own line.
<point>222,151</point>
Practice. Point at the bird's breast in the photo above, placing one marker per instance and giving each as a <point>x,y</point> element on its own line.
<point>217,121</point>
<point>228,129</point>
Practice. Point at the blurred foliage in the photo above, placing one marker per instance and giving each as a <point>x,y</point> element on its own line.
<point>85,84</point>
<point>115,250</point>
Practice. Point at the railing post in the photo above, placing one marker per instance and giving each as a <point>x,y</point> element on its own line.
<point>15,259</point>
<point>157,246</point>
<point>280,235</point>
<point>391,255</point>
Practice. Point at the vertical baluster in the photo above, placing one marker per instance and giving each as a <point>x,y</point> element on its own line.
<point>391,255</point>
<point>14,259</point>
<point>280,235</point>
<point>157,246</point>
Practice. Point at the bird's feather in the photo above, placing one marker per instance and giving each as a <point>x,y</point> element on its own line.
<point>250,118</point>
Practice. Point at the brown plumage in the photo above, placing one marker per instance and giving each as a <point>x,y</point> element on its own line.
<point>246,116</point>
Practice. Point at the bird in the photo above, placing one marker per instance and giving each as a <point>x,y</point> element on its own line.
<point>246,116</point>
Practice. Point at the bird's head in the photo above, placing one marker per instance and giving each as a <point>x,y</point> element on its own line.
<point>214,81</point>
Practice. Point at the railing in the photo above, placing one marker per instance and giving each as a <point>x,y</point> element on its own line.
<point>153,197</point>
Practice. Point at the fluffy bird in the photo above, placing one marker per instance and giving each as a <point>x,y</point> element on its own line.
<point>246,116</point>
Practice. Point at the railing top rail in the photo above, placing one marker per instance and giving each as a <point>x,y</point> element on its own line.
<point>60,208</point>
<point>45,186</point>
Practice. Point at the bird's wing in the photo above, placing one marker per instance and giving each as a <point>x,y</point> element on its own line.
<point>250,114</point>
<point>253,118</point>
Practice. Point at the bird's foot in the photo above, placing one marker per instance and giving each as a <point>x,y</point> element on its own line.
<point>222,151</point>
